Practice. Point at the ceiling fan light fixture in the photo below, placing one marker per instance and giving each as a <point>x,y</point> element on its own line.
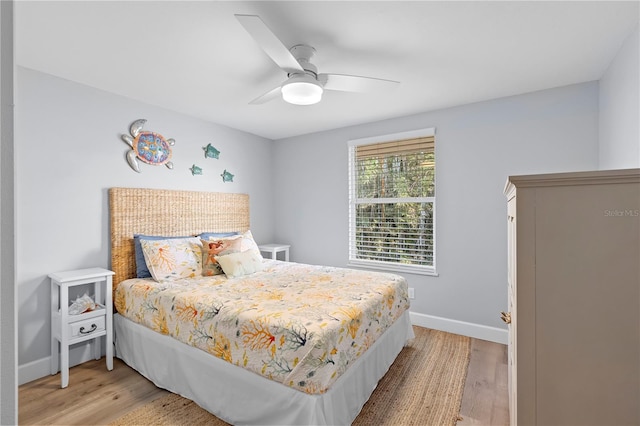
<point>302,90</point>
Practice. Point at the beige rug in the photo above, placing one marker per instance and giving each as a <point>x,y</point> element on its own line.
<point>423,387</point>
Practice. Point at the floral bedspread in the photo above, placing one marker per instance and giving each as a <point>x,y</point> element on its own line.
<point>301,325</point>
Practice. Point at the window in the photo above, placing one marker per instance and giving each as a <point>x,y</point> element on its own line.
<point>392,202</point>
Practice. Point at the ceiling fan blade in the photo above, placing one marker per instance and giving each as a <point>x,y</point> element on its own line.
<point>271,44</point>
<point>269,96</point>
<point>355,83</point>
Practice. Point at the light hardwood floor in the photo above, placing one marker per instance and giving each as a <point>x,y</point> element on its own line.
<point>96,396</point>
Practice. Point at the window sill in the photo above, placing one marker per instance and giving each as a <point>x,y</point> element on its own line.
<point>408,269</point>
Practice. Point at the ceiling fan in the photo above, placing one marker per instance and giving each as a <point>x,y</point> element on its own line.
<point>304,86</point>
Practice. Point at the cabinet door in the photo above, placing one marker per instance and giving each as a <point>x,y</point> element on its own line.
<point>587,304</point>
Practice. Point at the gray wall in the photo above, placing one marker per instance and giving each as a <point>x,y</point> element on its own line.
<point>69,152</point>
<point>620,108</point>
<point>8,341</point>
<point>477,147</point>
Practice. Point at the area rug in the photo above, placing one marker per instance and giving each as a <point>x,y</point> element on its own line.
<point>424,386</point>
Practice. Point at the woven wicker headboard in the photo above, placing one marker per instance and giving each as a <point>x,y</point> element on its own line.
<point>170,213</point>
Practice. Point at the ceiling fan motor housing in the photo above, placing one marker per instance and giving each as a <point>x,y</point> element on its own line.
<point>303,55</point>
<point>303,88</point>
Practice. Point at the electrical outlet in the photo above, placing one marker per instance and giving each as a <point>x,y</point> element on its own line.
<point>411,294</point>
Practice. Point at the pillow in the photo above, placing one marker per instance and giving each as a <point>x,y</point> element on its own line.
<point>213,248</point>
<point>242,263</point>
<point>142,271</point>
<point>173,259</point>
<point>248,243</point>
<point>216,235</point>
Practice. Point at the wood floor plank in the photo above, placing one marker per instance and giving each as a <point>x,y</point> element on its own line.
<point>501,403</point>
<point>485,394</point>
<point>96,396</point>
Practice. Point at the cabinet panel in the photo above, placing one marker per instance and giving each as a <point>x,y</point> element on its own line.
<point>525,298</point>
<point>511,306</point>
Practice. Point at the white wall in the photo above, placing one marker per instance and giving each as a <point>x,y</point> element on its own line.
<point>69,152</point>
<point>8,341</point>
<point>620,108</point>
<point>477,147</point>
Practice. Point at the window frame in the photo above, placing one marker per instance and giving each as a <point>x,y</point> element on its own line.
<point>376,264</point>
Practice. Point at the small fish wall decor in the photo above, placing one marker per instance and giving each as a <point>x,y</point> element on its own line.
<point>226,176</point>
<point>210,152</point>
<point>195,170</point>
<point>148,147</point>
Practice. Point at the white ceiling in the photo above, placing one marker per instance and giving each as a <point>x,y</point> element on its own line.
<point>195,57</point>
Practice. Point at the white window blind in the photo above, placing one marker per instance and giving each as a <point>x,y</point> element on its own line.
<point>392,203</point>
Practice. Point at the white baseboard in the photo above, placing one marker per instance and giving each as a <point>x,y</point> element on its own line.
<point>33,370</point>
<point>476,331</point>
<point>40,368</point>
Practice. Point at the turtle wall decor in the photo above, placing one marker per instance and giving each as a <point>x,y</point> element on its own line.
<point>211,152</point>
<point>149,147</point>
<point>226,176</point>
<point>195,170</point>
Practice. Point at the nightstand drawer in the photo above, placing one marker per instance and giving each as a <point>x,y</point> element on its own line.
<point>86,327</point>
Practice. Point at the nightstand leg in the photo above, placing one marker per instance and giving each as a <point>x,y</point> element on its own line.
<point>96,348</point>
<point>55,358</point>
<point>286,255</point>
<point>95,345</point>
<point>64,338</point>
<point>64,365</point>
<point>109,352</point>
<point>108,303</point>
<point>54,341</point>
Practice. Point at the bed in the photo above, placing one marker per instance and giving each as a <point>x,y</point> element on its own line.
<point>287,344</point>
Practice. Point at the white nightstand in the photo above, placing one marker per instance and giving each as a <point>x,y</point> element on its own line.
<point>274,249</point>
<point>70,329</point>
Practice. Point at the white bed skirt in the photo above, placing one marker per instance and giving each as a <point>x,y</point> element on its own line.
<point>239,396</point>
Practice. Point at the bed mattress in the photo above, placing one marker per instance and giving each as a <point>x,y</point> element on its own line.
<point>299,325</point>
